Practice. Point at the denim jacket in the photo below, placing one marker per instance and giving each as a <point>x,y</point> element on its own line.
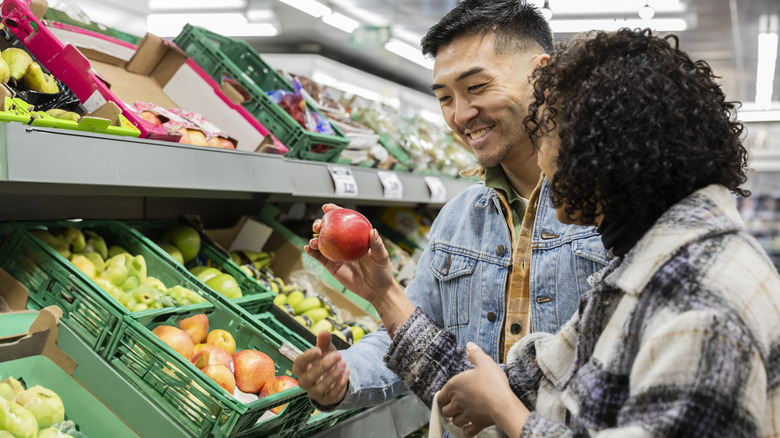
<point>461,283</point>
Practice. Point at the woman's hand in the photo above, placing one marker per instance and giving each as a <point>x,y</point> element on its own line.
<point>369,276</point>
<point>481,397</point>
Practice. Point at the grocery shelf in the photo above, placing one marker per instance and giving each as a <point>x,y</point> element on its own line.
<point>395,418</point>
<point>87,163</point>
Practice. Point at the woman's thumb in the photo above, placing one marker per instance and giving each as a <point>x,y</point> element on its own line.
<point>474,353</point>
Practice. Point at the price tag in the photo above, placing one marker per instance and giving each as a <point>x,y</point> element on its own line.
<point>437,188</point>
<point>343,180</point>
<point>394,188</point>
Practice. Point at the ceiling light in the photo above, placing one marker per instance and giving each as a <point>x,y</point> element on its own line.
<point>409,52</point>
<point>758,116</point>
<point>547,13</point>
<point>612,7</point>
<point>657,24</point>
<point>230,24</point>
<point>341,22</point>
<point>767,59</point>
<point>311,7</point>
<point>173,5</point>
<point>646,12</point>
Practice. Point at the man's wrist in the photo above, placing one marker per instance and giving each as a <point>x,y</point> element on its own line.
<point>393,307</point>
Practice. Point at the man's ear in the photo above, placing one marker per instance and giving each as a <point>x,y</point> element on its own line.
<point>541,60</point>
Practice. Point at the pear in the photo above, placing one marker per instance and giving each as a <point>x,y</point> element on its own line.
<point>35,79</point>
<point>17,60</point>
<point>5,71</point>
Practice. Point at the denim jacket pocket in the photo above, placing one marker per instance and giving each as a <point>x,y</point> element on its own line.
<point>590,257</point>
<point>454,273</point>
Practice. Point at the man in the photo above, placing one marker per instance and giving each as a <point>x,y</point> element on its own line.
<point>498,264</point>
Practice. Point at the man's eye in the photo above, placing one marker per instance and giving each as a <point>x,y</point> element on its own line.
<point>444,99</point>
<point>475,88</point>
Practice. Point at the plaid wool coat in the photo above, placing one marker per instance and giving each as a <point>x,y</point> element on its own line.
<point>680,337</point>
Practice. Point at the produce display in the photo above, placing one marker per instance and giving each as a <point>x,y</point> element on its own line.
<point>247,374</point>
<point>120,274</point>
<point>34,412</point>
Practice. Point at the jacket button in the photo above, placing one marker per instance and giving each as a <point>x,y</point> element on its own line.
<point>515,328</point>
<point>500,250</point>
<point>491,316</point>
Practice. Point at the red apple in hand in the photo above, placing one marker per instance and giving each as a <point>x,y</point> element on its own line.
<point>253,369</point>
<point>344,235</point>
<point>197,326</point>
<point>212,355</point>
<point>222,376</point>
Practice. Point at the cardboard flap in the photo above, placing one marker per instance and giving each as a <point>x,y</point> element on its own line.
<point>48,320</point>
<point>157,58</point>
<point>14,293</point>
<point>109,111</point>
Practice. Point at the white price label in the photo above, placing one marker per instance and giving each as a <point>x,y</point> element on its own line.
<point>394,188</point>
<point>437,188</point>
<point>343,180</point>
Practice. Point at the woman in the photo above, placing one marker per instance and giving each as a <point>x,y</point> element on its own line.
<point>680,335</point>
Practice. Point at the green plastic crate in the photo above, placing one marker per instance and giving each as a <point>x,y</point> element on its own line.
<point>197,403</point>
<point>254,294</point>
<point>89,414</point>
<point>87,308</point>
<point>221,56</point>
<point>52,280</point>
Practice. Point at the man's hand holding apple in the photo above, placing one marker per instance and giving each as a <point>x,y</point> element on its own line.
<point>368,276</point>
<point>321,372</point>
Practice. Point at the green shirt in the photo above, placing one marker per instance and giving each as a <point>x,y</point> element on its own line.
<point>495,178</point>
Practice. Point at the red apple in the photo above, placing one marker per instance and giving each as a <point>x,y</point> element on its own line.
<point>177,339</point>
<point>222,376</point>
<point>344,236</point>
<point>283,382</point>
<point>222,338</point>
<point>212,355</point>
<point>197,326</point>
<point>226,144</point>
<point>151,118</point>
<point>253,370</point>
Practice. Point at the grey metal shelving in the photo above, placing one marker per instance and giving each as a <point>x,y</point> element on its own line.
<point>77,162</point>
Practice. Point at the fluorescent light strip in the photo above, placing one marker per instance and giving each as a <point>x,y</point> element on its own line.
<point>172,5</point>
<point>758,116</point>
<point>311,7</point>
<point>341,22</point>
<point>577,26</point>
<point>765,69</point>
<point>409,52</point>
<point>229,24</point>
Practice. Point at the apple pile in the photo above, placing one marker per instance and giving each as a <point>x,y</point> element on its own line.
<point>123,276</point>
<point>214,353</point>
<point>35,412</point>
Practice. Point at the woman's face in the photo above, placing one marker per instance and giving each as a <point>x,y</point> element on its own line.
<point>547,159</point>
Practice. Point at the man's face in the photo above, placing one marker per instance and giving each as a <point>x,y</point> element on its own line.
<point>484,95</point>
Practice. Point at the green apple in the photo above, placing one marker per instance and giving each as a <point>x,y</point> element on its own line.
<point>156,283</point>
<point>83,264</point>
<point>95,243</point>
<point>207,274</point>
<point>185,238</point>
<point>45,405</point>
<point>96,260</point>
<point>173,252</point>
<point>116,249</point>
<point>226,285</point>
<point>75,239</point>
<point>57,243</point>
<point>136,267</point>
<point>51,432</point>
<point>116,269</point>
<point>17,420</point>
<point>9,387</point>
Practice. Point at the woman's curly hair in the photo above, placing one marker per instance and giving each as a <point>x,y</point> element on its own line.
<point>641,125</point>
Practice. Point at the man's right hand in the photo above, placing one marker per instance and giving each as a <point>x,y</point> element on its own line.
<point>321,372</point>
<point>368,276</point>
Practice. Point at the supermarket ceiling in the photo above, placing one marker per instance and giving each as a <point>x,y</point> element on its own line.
<point>381,36</point>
